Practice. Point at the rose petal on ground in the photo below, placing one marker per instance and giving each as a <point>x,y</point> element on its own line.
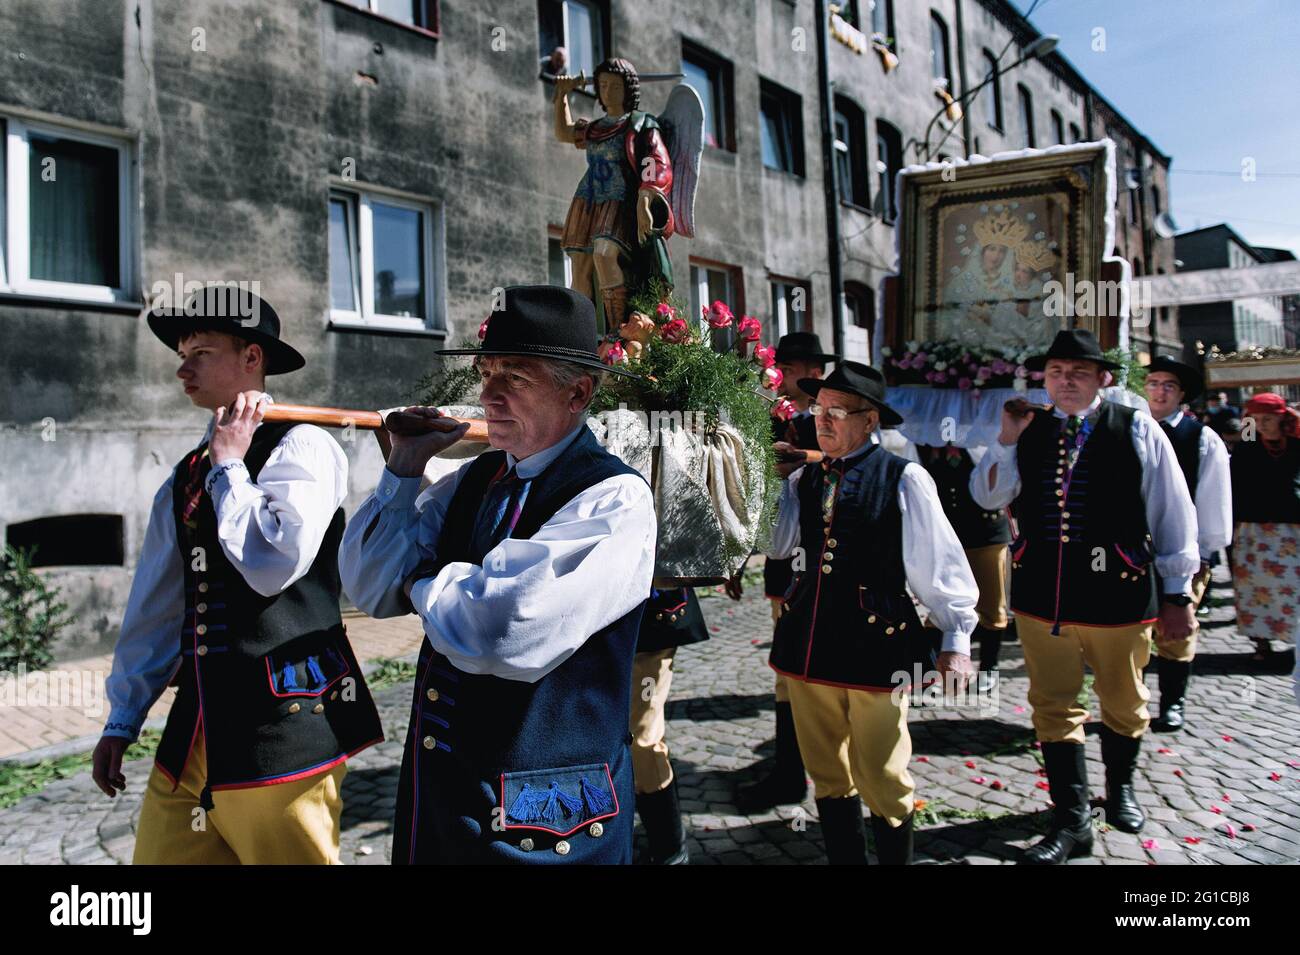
<point>923,759</point>
<point>1191,840</point>
<point>1247,828</point>
<point>1043,784</point>
<point>970,764</point>
<point>1275,776</point>
<point>978,779</point>
<point>1151,844</point>
<point>996,784</point>
<point>1216,810</point>
<point>1229,831</point>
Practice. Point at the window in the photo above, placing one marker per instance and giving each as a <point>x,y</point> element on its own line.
<point>851,153</point>
<point>711,282</point>
<point>576,25</point>
<point>1155,199</point>
<point>889,160</point>
<point>859,306</point>
<point>939,53</point>
<point>711,77</point>
<point>992,94</point>
<point>1075,135</point>
<point>849,12</point>
<point>66,204</point>
<point>791,306</point>
<point>882,23</point>
<point>781,129</point>
<point>1058,127</point>
<point>1026,114</point>
<point>415,13</point>
<point>559,267</point>
<point>71,540</point>
<point>382,254</point>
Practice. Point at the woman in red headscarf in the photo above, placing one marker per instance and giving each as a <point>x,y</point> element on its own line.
<point>1266,515</point>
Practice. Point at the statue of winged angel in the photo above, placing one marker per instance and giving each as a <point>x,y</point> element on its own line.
<point>639,187</point>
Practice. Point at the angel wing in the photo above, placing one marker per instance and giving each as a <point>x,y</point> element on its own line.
<point>682,122</point>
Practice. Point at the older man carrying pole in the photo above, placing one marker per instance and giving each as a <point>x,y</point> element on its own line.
<point>529,568</point>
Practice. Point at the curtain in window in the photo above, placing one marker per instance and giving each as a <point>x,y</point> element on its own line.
<point>73,190</point>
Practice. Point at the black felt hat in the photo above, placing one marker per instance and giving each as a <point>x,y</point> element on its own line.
<point>231,310</point>
<point>856,379</point>
<point>802,346</point>
<point>1073,344</point>
<point>542,321</point>
<point>1189,379</point>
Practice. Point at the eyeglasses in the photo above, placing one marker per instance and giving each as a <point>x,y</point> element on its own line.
<point>837,414</point>
<point>1162,385</point>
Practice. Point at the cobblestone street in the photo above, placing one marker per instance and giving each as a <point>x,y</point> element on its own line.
<point>1222,791</point>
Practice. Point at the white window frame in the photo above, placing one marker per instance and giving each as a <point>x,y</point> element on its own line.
<point>701,287</point>
<point>15,263</point>
<point>433,263</point>
<point>564,257</point>
<point>598,18</point>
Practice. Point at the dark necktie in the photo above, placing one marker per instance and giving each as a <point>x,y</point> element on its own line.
<point>199,466</point>
<point>502,506</point>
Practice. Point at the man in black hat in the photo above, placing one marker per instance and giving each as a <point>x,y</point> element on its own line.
<point>1102,509</point>
<point>799,357</point>
<point>1203,458</point>
<point>236,601</point>
<point>865,525</point>
<point>529,567</point>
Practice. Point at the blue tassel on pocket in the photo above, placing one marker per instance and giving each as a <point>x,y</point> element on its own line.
<point>598,800</point>
<point>524,808</point>
<point>558,805</point>
<point>314,673</point>
<point>289,679</point>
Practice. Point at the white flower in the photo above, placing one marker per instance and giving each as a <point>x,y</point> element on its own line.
<point>1031,216</point>
<point>984,207</point>
<point>913,346</point>
<point>940,366</point>
<point>1020,384</point>
<point>961,238</point>
<point>886,351</point>
<point>1040,234</point>
<point>961,227</point>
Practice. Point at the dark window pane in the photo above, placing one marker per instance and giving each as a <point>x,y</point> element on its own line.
<point>776,148</point>
<point>399,258</point>
<point>550,24</point>
<point>74,540</point>
<point>1027,115</point>
<point>73,235</point>
<point>993,92</point>
<point>343,259</point>
<point>555,263</point>
<point>939,51</point>
<point>1058,127</point>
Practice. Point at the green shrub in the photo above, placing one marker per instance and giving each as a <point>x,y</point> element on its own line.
<point>31,614</point>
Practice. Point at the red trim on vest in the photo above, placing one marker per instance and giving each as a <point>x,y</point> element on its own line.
<point>300,774</point>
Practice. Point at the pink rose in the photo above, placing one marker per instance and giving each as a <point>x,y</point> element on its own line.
<point>749,329</point>
<point>985,373</point>
<point>964,384</point>
<point>785,409</point>
<point>1036,375</point>
<point>921,357</point>
<point>675,332</point>
<point>482,329</point>
<point>765,355</point>
<point>718,315</point>
<point>612,353</point>
<point>665,311</point>
<point>772,378</point>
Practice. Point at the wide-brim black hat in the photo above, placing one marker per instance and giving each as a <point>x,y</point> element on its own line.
<point>1073,344</point>
<point>1188,377</point>
<point>231,310</point>
<point>802,346</point>
<point>856,379</point>
<point>542,321</point>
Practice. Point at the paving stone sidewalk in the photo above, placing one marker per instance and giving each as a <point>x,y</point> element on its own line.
<point>1226,790</point>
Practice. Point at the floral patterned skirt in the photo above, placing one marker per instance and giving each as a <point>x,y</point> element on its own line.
<point>1266,577</point>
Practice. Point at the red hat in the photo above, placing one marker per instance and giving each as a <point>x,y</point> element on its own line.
<point>1266,402</point>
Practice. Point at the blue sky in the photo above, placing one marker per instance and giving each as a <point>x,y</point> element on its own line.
<point>1210,84</point>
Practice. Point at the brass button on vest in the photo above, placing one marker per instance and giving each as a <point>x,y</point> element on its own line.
<point>429,742</point>
<point>318,708</point>
<point>294,707</point>
<point>432,694</point>
<point>826,568</point>
<point>202,608</point>
<point>201,629</point>
<point>562,847</point>
<point>596,830</point>
<point>526,845</point>
<point>203,588</point>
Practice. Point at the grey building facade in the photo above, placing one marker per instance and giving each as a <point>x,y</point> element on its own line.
<point>379,167</point>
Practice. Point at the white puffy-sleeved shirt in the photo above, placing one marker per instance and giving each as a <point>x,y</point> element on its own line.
<point>1213,490</point>
<point>934,562</point>
<point>270,532</point>
<point>534,601</point>
<point>1171,518</point>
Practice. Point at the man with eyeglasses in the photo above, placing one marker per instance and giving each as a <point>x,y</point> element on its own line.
<point>1203,457</point>
<point>1103,512</point>
<point>864,525</point>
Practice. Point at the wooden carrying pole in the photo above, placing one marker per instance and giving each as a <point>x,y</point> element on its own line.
<point>397,422</point>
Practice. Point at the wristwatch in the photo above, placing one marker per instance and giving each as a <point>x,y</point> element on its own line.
<point>1178,600</point>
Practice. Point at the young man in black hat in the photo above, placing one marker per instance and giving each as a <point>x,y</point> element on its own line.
<point>799,357</point>
<point>1103,510</point>
<point>1203,458</point>
<point>529,568</point>
<point>236,600</point>
<point>672,619</point>
<point>869,526</point>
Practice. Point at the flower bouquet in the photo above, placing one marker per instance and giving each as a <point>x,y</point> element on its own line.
<point>954,365</point>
